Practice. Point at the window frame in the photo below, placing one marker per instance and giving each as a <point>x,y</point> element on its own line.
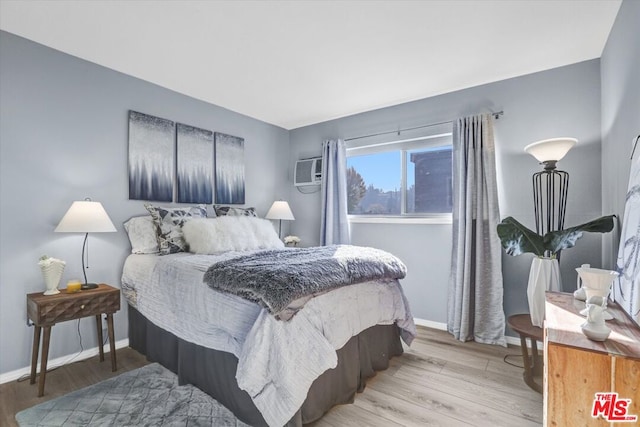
<point>439,138</point>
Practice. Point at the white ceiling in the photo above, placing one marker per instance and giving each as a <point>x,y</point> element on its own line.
<point>295,63</point>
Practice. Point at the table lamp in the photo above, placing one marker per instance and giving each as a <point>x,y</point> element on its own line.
<point>86,217</point>
<point>280,210</point>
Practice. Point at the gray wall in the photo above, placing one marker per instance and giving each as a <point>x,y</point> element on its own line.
<point>620,70</point>
<point>559,102</point>
<point>63,137</point>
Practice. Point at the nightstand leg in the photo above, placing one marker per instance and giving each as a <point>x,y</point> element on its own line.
<point>538,365</point>
<point>43,359</point>
<point>525,360</point>
<point>100,341</point>
<point>34,353</point>
<point>112,342</point>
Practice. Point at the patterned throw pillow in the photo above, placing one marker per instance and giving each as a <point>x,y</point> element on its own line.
<point>168,223</point>
<point>232,211</point>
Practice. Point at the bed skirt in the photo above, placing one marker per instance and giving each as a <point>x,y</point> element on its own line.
<point>213,371</point>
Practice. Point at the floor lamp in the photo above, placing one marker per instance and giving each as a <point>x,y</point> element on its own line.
<point>85,217</point>
<point>280,210</point>
<point>550,186</point>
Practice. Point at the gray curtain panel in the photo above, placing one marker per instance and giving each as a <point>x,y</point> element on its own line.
<point>334,226</point>
<point>475,310</point>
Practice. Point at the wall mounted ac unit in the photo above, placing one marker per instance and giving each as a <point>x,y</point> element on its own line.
<point>308,172</point>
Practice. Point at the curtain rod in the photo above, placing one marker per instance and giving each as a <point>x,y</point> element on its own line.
<point>495,115</point>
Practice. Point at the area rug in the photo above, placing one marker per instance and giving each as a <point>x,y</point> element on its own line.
<point>148,396</point>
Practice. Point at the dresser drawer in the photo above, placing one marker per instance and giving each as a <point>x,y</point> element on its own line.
<point>62,307</point>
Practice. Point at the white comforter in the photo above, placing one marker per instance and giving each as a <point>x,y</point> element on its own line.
<point>278,360</point>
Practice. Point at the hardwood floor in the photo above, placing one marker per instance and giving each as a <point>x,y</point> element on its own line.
<point>16,396</point>
<point>438,381</point>
<point>442,382</point>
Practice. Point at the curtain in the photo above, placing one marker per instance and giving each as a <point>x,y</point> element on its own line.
<point>475,294</point>
<point>334,226</point>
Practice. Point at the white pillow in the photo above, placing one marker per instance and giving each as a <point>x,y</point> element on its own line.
<point>230,233</point>
<point>142,235</point>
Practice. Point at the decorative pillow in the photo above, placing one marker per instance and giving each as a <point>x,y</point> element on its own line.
<point>230,233</point>
<point>233,211</point>
<point>168,223</point>
<point>142,235</point>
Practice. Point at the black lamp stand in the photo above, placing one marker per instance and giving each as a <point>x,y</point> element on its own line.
<point>85,286</point>
<point>550,188</point>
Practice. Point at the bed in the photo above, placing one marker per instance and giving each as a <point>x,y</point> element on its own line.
<point>270,368</point>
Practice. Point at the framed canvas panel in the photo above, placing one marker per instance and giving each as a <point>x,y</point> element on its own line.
<point>194,164</point>
<point>151,157</point>
<point>627,285</point>
<point>229,162</point>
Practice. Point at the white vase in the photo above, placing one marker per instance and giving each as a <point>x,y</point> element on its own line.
<point>52,273</point>
<point>543,276</point>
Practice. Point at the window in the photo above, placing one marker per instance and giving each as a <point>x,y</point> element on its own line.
<point>402,177</point>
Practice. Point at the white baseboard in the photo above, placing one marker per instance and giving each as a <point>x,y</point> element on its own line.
<point>60,361</point>
<point>430,324</point>
<point>516,341</point>
<point>443,327</point>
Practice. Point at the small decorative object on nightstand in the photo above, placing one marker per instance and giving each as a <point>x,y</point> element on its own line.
<point>46,311</point>
<point>291,240</point>
<point>73,285</point>
<point>52,269</point>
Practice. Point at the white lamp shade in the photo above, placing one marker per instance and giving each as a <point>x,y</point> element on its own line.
<point>85,217</point>
<point>552,149</point>
<point>280,210</point>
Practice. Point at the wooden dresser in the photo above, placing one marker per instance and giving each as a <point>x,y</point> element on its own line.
<point>576,368</point>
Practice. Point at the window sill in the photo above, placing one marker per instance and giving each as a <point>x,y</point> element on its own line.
<point>435,219</point>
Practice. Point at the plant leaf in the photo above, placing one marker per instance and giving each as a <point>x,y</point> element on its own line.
<point>517,239</point>
<point>555,241</point>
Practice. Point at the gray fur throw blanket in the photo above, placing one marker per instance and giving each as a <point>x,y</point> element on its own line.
<point>277,278</point>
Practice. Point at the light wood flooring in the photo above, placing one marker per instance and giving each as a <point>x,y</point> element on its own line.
<point>438,381</point>
<point>443,382</point>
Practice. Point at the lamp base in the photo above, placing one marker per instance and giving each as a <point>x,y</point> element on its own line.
<point>87,286</point>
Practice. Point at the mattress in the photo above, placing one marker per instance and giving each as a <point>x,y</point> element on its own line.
<point>169,291</point>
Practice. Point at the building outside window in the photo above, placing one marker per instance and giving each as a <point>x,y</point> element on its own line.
<point>432,181</point>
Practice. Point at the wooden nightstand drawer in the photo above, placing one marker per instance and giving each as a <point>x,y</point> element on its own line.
<point>48,310</point>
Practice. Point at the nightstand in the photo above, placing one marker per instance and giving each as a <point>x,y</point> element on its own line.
<point>534,365</point>
<point>47,310</point>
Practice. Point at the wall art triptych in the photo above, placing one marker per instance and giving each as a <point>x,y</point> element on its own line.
<point>171,161</point>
